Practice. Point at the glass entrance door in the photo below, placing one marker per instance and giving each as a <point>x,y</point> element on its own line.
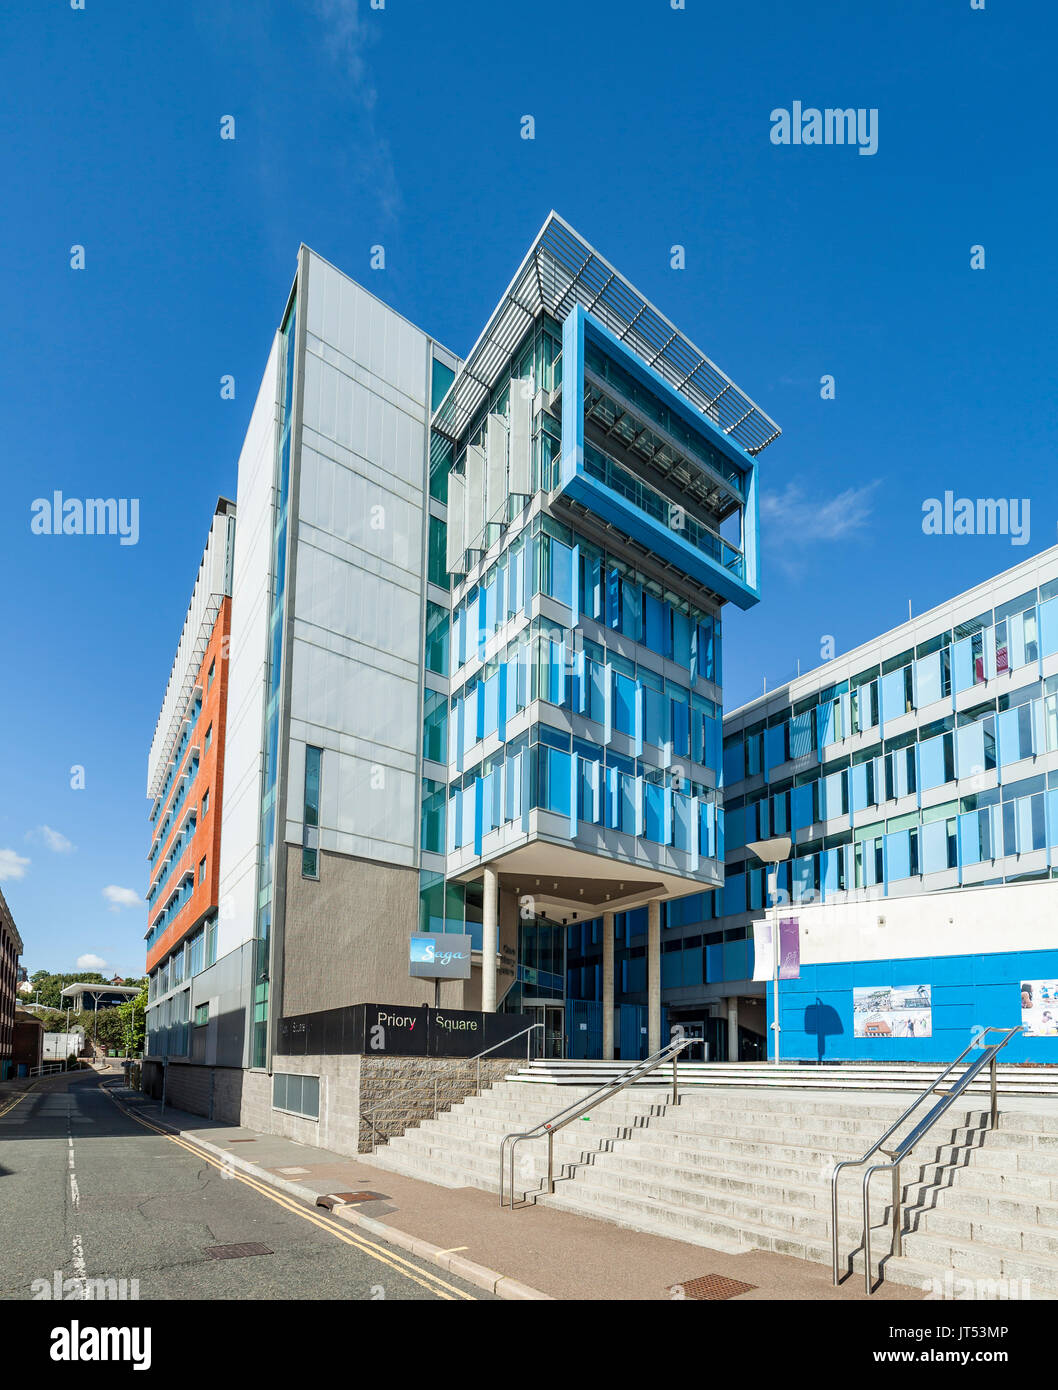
<point>549,1041</point>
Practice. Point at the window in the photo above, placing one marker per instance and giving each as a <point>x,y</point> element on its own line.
<point>209,736</point>
<point>201,1014</point>
<point>205,801</point>
<point>310,834</point>
<point>300,1095</point>
<point>212,673</point>
<point>202,870</point>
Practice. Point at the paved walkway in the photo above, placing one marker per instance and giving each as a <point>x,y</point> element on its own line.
<point>534,1251</point>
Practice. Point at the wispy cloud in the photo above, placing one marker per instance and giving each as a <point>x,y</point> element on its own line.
<point>121,897</point>
<point>91,962</point>
<point>55,840</point>
<point>347,38</point>
<point>813,519</point>
<point>12,865</point>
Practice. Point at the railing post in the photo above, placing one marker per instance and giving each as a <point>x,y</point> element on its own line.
<point>867,1231</point>
<point>995,1098</point>
<point>550,1160</point>
<point>675,1089</point>
<point>898,1235</point>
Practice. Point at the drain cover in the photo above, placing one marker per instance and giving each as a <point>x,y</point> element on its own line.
<point>242,1141</point>
<point>237,1252</point>
<point>339,1199</point>
<point>713,1287</point>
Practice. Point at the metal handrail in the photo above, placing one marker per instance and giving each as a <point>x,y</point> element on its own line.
<point>413,1091</point>
<point>571,1112</point>
<point>905,1145</point>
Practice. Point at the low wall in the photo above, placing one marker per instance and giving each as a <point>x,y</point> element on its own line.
<point>364,1099</point>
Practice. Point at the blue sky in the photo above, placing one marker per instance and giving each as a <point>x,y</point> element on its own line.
<point>401,126</point>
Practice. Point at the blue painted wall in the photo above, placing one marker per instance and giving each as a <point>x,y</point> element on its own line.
<point>968,992</point>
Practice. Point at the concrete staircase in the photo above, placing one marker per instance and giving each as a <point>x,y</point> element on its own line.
<point>1015,1079</point>
<point>739,1169</point>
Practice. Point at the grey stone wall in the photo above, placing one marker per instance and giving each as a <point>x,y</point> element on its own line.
<point>397,1093</point>
<point>364,1100</point>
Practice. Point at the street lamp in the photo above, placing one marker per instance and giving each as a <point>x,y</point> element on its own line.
<point>773,853</point>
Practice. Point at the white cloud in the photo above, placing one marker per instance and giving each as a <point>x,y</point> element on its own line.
<point>12,865</point>
<point>90,962</point>
<point>55,840</point>
<point>809,519</point>
<point>121,897</point>
<point>368,159</point>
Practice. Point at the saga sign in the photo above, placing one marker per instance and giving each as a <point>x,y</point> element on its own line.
<point>445,956</point>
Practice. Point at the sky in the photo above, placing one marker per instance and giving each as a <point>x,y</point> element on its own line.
<point>401,126</point>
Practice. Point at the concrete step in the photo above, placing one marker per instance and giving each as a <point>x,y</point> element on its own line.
<point>1011,1079</point>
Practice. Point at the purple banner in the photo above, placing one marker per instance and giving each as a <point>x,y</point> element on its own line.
<point>789,949</point>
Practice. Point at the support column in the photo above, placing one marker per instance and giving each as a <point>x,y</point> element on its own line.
<point>732,1028</point>
<point>607,985</point>
<point>654,975</point>
<point>490,938</point>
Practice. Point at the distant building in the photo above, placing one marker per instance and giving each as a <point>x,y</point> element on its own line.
<point>10,950</point>
<point>97,996</point>
<point>28,1042</point>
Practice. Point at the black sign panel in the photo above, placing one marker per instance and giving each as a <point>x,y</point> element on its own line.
<point>400,1030</point>
<point>396,1030</point>
<point>456,1033</point>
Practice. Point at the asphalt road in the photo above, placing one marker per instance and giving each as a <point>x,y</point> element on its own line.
<point>88,1193</point>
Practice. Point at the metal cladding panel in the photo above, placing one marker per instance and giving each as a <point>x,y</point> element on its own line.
<point>521,434</point>
<point>474,501</point>
<point>496,467</point>
<point>456,541</point>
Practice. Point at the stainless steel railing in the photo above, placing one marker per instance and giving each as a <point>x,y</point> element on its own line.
<point>576,1109</point>
<point>905,1145</point>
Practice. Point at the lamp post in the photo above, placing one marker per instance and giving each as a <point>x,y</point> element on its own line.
<point>773,853</point>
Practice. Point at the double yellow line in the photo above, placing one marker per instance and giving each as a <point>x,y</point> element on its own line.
<point>415,1273</point>
<point>17,1100</point>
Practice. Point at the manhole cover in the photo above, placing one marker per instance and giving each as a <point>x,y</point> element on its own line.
<point>237,1252</point>
<point>338,1199</point>
<point>712,1287</point>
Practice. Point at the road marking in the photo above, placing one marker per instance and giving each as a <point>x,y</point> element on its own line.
<point>17,1100</point>
<point>453,1249</point>
<point>80,1268</point>
<point>415,1273</point>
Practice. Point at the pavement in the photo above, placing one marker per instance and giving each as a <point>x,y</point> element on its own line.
<point>535,1252</point>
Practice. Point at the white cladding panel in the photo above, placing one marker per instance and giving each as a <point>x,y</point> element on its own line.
<point>521,432</point>
<point>358,584</point>
<point>455,541</point>
<point>967,921</point>
<point>247,669</point>
<point>474,498</point>
<point>496,468</point>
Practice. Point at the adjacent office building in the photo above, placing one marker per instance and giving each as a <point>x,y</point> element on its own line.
<point>474,675</point>
<point>917,779</point>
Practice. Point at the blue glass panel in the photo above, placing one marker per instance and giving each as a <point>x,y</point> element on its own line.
<point>801,735</point>
<point>734,893</point>
<point>892,695</point>
<point>681,729</point>
<point>624,716</point>
<point>931,763</point>
<point>933,846</point>
<point>654,812</point>
<point>774,746</point>
<point>970,745</point>
<point>802,807</point>
<point>898,855</point>
<point>963,664</point>
<point>928,679</point>
<point>656,615</point>
<point>561,572</point>
<point>713,742</point>
<point>681,640</point>
<point>558,768</point>
<point>1049,627</point>
<point>734,762</point>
